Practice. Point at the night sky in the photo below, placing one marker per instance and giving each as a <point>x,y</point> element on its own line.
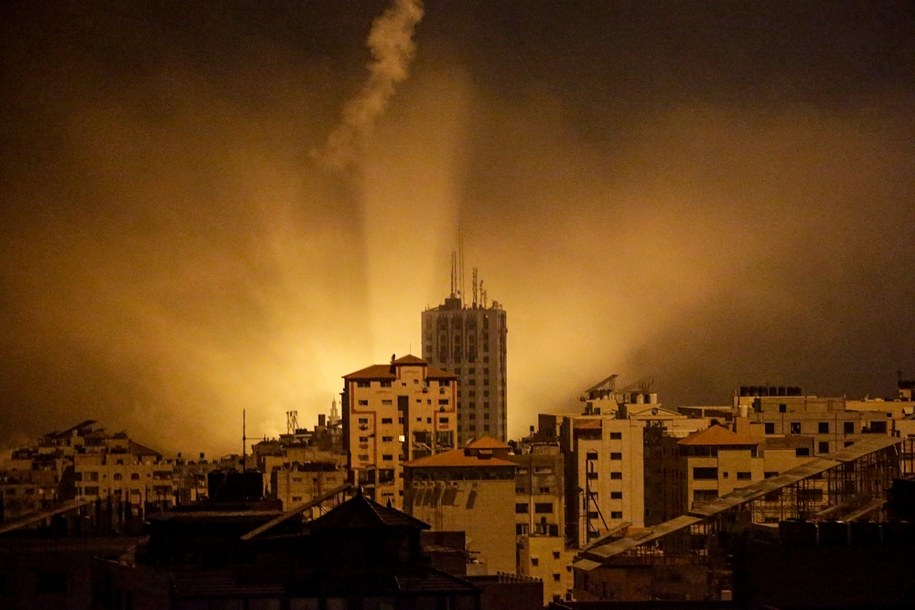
<point>709,194</point>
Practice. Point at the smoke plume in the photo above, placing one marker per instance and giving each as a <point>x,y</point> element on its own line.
<point>393,49</point>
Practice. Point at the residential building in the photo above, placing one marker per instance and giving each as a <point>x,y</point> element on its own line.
<point>470,489</point>
<point>539,490</point>
<point>469,340</point>
<point>394,413</point>
<point>548,559</point>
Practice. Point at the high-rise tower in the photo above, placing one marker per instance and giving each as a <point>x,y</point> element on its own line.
<point>469,341</point>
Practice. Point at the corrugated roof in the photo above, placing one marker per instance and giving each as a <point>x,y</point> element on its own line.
<point>717,436</point>
<point>456,458</point>
<point>641,537</point>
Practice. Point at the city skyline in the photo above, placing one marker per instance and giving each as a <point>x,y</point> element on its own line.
<point>711,195</point>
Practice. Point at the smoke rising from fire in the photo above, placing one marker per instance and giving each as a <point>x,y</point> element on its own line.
<point>393,48</point>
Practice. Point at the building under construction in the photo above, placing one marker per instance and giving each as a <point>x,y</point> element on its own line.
<point>831,509</point>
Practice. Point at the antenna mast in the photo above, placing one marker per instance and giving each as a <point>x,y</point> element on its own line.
<point>244,441</point>
<point>461,258</point>
<point>475,287</point>
<point>453,273</point>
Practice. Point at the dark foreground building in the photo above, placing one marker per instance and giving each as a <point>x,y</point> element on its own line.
<point>361,555</point>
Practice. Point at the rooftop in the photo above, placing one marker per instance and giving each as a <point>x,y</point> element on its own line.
<point>717,436</point>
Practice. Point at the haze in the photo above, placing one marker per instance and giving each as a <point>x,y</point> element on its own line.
<point>707,194</point>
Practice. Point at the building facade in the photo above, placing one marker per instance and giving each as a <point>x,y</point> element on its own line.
<point>470,342</point>
<point>471,490</point>
<point>393,414</point>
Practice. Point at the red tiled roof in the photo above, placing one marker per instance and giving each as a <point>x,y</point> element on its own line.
<point>488,442</point>
<point>456,458</point>
<point>386,371</point>
<point>717,435</point>
<point>409,359</point>
<point>376,371</point>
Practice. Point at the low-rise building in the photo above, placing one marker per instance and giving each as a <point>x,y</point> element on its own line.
<point>472,490</point>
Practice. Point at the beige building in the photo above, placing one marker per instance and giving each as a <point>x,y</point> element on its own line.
<point>394,413</point>
<point>603,463</point>
<point>470,490</point>
<point>547,558</point>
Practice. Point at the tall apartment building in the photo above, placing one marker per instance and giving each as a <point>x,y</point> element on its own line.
<point>394,413</point>
<point>470,341</point>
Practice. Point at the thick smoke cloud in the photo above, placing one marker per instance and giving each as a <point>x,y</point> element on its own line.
<point>707,197</point>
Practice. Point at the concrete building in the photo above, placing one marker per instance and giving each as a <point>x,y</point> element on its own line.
<point>470,341</point>
<point>302,464</point>
<point>548,559</point>
<point>392,414</point>
<point>539,491</point>
<point>472,490</point>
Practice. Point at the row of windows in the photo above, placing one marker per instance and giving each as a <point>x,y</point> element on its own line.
<point>823,427</point>
<point>539,507</point>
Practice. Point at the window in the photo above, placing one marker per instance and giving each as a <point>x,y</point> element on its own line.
<point>545,490</point>
<point>823,447</point>
<point>801,451</point>
<point>443,420</point>
<point>535,561</point>
<point>705,473</point>
<point>543,507</point>
<point>387,439</point>
<point>521,529</point>
<point>848,427</point>
<point>616,476</point>
<point>363,439</point>
<point>387,402</point>
<point>616,495</point>
<point>556,577</point>
<point>704,495</point>
<point>770,428</point>
<point>616,514</point>
<point>118,476</point>
<point>616,455</point>
<point>743,476</point>
<point>386,383</point>
<point>363,420</point>
<point>770,473</point>
<point>521,508</point>
<point>443,401</point>
<point>795,427</point>
<point>135,477</point>
<point>363,384</point>
<point>823,427</point>
<point>616,436</point>
<point>387,420</point>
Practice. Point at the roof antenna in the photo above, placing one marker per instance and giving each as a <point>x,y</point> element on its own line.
<point>475,287</point>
